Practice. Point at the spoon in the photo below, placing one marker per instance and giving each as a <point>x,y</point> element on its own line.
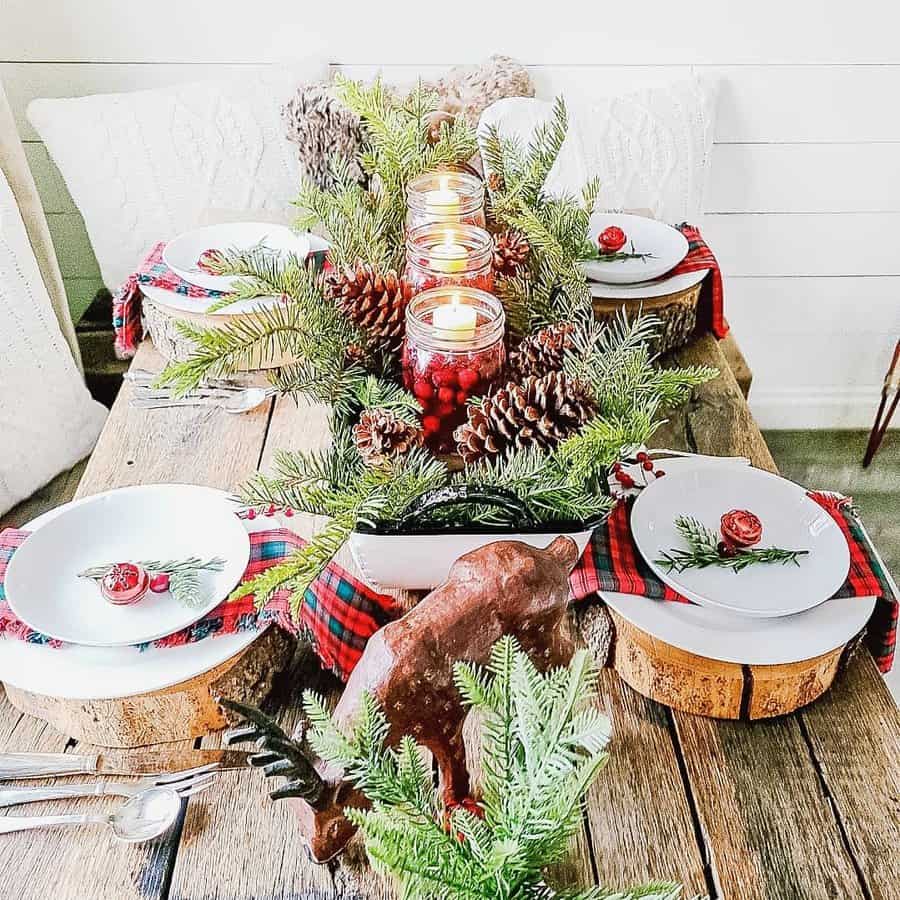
<point>235,402</point>
<point>145,816</point>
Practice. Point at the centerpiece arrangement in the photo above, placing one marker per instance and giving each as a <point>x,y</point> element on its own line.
<point>451,334</point>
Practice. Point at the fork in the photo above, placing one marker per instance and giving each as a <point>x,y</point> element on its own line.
<point>185,784</point>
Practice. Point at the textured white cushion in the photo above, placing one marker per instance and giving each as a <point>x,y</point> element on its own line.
<point>650,148</point>
<point>48,420</point>
<point>145,166</point>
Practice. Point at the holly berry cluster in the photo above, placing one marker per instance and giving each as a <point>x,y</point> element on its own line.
<point>647,470</point>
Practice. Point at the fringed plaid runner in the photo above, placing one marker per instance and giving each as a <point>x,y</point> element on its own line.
<point>339,613</point>
<point>711,313</point>
<point>612,562</point>
<point>127,300</point>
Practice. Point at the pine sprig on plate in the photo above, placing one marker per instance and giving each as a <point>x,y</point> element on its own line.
<point>704,551</point>
<point>594,254</point>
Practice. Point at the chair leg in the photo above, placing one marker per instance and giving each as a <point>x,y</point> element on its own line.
<point>891,387</point>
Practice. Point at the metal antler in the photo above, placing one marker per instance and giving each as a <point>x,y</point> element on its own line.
<point>280,754</point>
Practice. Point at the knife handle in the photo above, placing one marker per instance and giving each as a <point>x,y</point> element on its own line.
<point>40,765</point>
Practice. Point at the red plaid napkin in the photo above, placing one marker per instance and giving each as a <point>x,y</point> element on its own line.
<point>127,300</point>
<point>612,562</point>
<point>339,613</point>
<point>710,314</point>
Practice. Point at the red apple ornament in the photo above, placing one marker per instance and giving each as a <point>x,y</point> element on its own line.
<point>124,583</point>
<point>741,529</point>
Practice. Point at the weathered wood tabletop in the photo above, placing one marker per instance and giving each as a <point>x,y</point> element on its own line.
<point>805,807</point>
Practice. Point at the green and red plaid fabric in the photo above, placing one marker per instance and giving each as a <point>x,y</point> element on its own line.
<point>612,562</point>
<point>339,613</point>
<point>710,312</point>
<point>127,299</point>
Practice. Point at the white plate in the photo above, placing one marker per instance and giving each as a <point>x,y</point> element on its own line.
<point>94,673</point>
<point>165,521</point>
<point>790,520</point>
<point>182,253</point>
<point>667,244</point>
<point>721,635</point>
<point>645,290</point>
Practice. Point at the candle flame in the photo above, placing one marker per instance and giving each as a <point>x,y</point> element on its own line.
<point>444,182</point>
<point>455,301</point>
<point>448,236</point>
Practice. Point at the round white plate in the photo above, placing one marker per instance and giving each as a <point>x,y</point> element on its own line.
<point>163,521</point>
<point>790,520</point>
<point>646,290</point>
<point>182,253</point>
<point>93,673</point>
<point>667,244</point>
<point>721,635</point>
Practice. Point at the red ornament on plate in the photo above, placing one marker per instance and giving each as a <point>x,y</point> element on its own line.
<point>611,239</point>
<point>741,528</point>
<point>124,583</point>
<point>159,583</point>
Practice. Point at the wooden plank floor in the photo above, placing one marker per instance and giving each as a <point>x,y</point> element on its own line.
<point>799,808</point>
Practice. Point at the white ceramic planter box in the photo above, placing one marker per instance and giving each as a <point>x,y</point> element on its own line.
<point>423,561</point>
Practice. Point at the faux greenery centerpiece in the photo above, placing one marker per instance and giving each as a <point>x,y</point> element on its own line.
<point>578,393</point>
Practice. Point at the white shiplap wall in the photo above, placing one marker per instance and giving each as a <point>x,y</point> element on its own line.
<point>803,205</point>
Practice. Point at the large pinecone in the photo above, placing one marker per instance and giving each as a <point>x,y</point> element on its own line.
<point>510,252</point>
<point>375,302</point>
<point>380,436</point>
<point>541,352</point>
<point>538,412</point>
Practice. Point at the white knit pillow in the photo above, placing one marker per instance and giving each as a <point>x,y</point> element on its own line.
<point>650,148</point>
<point>146,165</point>
<point>48,420</point>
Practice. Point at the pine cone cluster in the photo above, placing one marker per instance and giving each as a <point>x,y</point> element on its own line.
<point>538,412</point>
<point>542,352</point>
<point>376,302</point>
<point>380,435</point>
<point>510,252</point>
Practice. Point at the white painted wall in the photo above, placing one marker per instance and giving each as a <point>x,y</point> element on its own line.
<point>803,207</point>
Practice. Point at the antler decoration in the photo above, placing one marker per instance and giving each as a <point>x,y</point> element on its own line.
<point>279,754</point>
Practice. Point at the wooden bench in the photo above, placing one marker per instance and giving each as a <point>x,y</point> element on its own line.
<point>803,806</point>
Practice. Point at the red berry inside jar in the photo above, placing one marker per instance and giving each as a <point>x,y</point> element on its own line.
<point>124,583</point>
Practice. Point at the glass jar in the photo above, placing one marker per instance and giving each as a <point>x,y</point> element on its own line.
<point>446,198</point>
<point>454,350</point>
<point>439,255</point>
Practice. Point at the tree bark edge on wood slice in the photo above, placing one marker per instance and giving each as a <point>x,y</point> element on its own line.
<point>719,690</point>
<point>183,711</point>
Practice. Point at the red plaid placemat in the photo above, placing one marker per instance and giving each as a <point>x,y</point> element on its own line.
<point>127,299</point>
<point>339,613</point>
<point>612,562</point>
<point>711,313</point>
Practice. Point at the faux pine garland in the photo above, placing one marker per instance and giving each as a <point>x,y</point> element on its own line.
<point>544,744</point>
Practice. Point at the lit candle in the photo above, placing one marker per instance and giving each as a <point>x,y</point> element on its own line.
<point>442,203</point>
<point>454,321</point>
<point>449,257</point>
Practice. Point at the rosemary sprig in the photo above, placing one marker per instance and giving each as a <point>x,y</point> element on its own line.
<point>594,254</point>
<point>704,552</point>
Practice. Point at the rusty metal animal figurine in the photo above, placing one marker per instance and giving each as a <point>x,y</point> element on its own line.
<point>502,588</point>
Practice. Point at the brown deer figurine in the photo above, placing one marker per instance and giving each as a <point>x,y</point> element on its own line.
<point>505,587</point>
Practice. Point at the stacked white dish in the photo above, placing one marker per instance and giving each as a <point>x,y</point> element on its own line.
<point>766,614</point>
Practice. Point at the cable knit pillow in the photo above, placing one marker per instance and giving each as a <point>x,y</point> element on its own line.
<point>650,148</point>
<point>147,165</point>
<point>48,420</point>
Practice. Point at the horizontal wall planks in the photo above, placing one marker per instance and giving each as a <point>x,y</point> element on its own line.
<point>658,31</point>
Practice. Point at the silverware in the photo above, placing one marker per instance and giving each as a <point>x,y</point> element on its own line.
<point>145,816</point>
<point>185,784</point>
<point>232,402</point>
<point>116,762</point>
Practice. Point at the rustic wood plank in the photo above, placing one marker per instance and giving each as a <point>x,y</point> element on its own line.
<point>738,364</point>
<point>854,734</point>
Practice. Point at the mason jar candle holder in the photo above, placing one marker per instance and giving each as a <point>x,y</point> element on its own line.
<point>454,350</point>
<point>439,254</point>
<point>445,198</point>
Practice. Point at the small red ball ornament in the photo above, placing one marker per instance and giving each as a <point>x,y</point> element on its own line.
<point>611,239</point>
<point>741,528</point>
<point>124,583</point>
<point>159,583</point>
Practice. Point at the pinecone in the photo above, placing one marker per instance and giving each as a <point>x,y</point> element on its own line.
<point>510,252</point>
<point>494,182</point>
<point>537,412</point>
<point>375,302</point>
<point>380,435</point>
<point>541,352</point>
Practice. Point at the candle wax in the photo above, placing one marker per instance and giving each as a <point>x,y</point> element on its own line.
<point>442,203</point>
<point>454,321</point>
<point>449,257</point>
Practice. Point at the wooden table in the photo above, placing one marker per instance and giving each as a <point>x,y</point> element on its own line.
<point>803,807</point>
